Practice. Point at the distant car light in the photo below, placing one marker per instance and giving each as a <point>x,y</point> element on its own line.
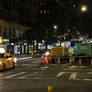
<point>0,62</point>
<point>2,50</point>
<point>15,60</point>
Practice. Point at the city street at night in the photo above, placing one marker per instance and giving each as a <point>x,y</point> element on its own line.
<point>30,76</point>
<point>45,45</point>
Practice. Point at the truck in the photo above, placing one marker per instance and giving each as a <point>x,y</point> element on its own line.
<point>83,51</point>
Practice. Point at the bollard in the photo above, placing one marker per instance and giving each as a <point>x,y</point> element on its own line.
<point>80,62</point>
<point>32,53</point>
<point>50,89</point>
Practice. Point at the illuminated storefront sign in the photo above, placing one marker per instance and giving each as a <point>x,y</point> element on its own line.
<point>5,40</point>
<point>0,39</point>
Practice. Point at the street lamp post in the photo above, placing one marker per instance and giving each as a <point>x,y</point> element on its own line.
<point>83,11</point>
<point>55,27</point>
<point>84,8</point>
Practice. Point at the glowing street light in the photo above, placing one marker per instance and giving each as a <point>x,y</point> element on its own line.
<point>55,26</point>
<point>84,8</point>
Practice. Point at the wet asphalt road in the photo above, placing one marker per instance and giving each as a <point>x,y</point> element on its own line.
<point>30,76</point>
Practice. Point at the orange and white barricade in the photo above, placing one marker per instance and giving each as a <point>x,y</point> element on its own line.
<point>49,58</point>
<point>46,60</point>
<point>42,59</point>
<point>70,62</point>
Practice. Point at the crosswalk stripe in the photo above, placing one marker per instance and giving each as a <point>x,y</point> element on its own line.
<point>32,74</point>
<point>14,75</point>
<point>60,74</point>
<point>73,76</point>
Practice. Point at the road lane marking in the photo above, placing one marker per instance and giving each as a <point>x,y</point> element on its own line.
<point>88,79</point>
<point>89,72</point>
<point>32,74</point>
<point>72,67</point>
<point>45,67</point>
<point>73,76</point>
<point>82,67</point>
<point>60,74</point>
<point>78,69</point>
<point>30,69</point>
<point>14,75</point>
<point>24,58</point>
<point>84,80</point>
<point>36,78</point>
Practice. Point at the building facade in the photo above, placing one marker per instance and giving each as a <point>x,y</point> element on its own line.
<point>15,20</point>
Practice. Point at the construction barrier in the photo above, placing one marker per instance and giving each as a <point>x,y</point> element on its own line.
<point>70,62</point>
<point>47,59</point>
<point>58,62</point>
<point>42,59</point>
<point>47,62</point>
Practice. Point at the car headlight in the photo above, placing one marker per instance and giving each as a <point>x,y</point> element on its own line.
<point>0,62</point>
<point>47,53</point>
<point>15,60</point>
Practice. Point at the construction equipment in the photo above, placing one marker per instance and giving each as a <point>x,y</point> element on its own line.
<point>59,52</point>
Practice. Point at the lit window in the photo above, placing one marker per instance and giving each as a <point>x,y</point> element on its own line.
<point>44,11</point>
<point>41,11</point>
<point>41,3</point>
<point>44,3</point>
<point>74,5</point>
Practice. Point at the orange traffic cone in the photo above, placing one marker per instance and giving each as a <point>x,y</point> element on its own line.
<point>58,61</point>
<point>70,62</point>
<point>42,59</point>
<point>47,61</point>
<point>80,62</point>
<point>91,63</point>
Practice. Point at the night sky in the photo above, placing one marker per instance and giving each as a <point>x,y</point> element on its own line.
<point>86,18</point>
